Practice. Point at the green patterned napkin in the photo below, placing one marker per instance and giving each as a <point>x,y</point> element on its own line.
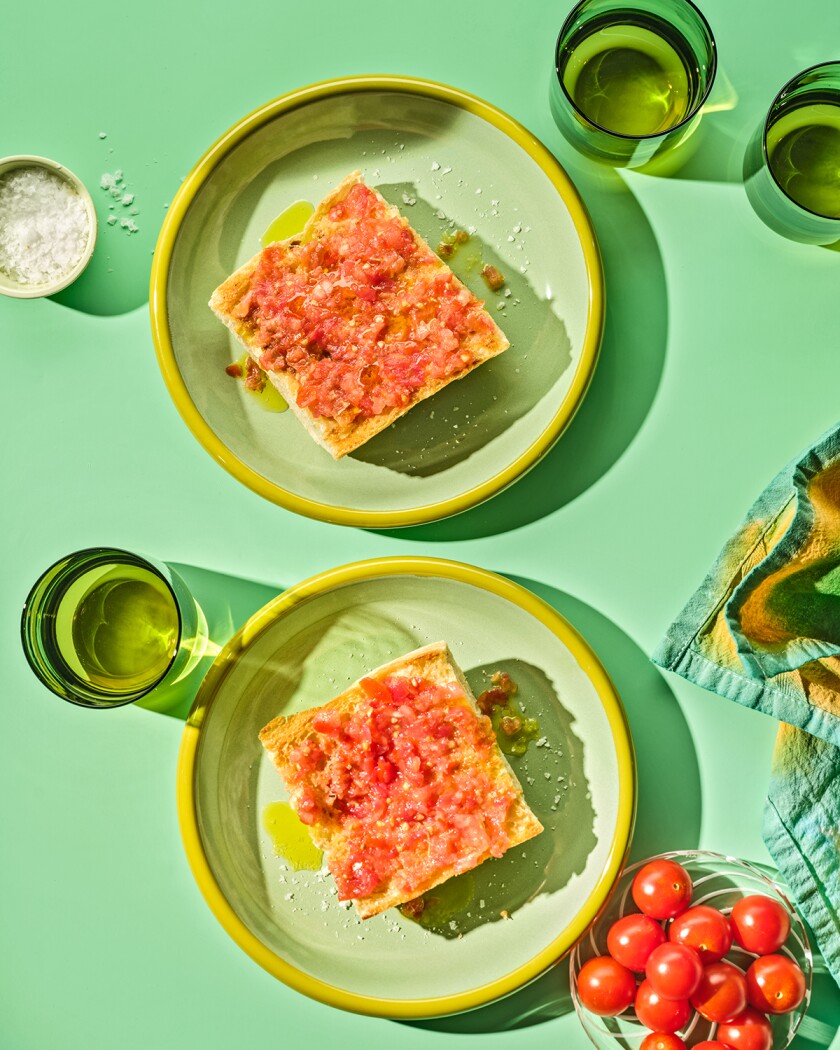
<point>764,629</point>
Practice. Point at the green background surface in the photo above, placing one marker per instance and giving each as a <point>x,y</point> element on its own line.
<point>720,362</point>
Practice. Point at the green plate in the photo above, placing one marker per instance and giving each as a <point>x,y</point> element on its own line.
<point>443,157</point>
<point>512,917</point>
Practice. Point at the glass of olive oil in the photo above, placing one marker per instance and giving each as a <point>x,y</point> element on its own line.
<point>104,627</point>
<point>630,78</point>
<point>792,164</point>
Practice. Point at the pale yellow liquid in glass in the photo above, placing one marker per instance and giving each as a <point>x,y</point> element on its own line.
<point>117,628</point>
<point>628,80</point>
<point>803,149</point>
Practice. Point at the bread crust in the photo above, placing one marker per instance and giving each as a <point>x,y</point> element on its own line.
<point>340,437</point>
<point>434,663</point>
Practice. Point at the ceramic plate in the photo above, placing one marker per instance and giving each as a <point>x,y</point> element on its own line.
<point>446,160</point>
<point>508,920</point>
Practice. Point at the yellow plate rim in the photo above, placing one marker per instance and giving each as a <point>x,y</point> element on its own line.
<point>345,515</point>
<point>322,990</point>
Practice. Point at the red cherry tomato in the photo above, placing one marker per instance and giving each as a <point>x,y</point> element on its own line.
<point>704,929</point>
<point>662,889</point>
<point>662,1041</point>
<point>760,924</point>
<point>632,939</point>
<point>674,971</point>
<point>659,1014</point>
<point>721,994</point>
<point>605,987</point>
<point>775,984</point>
<point>749,1031</point>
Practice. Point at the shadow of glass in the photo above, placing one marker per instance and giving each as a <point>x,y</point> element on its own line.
<point>227,602</point>
<point>465,416</point>
<point>668,806</point>
<point>625,381</point>
<point>558,793</point>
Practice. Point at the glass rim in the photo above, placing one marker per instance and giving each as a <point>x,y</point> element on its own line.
<point>87,551</point>
<point>767,125</point>
<point>656,134</point>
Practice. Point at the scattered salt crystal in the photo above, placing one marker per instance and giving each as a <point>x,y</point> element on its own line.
<point>134,211</point>
<point>446,171</point>
<point>511,237</point>
<point>478,191</point>
<point>44,226</point>
<point>289,897</point>
<point>439,214</point>
<point>127,198</point>
<point>107,181</point>
<point>481,903</point>
<point>547,776</point>
<point>115,192</point>
<point>543,740</point>
<point>103,134</point>
<point>408,199</point>
<point>435,166</point>
<point>507,293</point>
<point>111,220</point>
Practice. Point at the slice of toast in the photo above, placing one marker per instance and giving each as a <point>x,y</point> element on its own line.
<point>401,781</point>
<point>355,320</point>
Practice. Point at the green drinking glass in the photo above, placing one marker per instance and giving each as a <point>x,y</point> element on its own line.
<point>792,164</point>
<point>630,79</point>
<point>104,627</point>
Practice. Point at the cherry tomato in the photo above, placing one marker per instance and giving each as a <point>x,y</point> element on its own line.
<point>674,971</point>
<point>760,924</point>
<point>658,1014</point>
<point>632,939</point>
<point>605,987</point>
<point>722,992</point>
<point>704,929</point>
<point>662,1041</point>
<point>749,1031</point>
<point>775,984</point>
<point>662,889</point>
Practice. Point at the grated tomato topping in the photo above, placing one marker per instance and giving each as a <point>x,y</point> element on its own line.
<point>403,777</point>
<point>358,316</point>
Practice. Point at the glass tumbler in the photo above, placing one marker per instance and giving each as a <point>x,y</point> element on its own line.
<point>630,78</point>
<point>792,164</point>
<point>104,627</point>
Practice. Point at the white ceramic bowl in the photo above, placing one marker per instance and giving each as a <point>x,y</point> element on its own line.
<point>11,287</point>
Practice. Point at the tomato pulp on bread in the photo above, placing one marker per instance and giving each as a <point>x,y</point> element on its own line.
<point>405,777</point>
<point>363,315</point>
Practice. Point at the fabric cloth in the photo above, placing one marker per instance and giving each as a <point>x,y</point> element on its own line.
<point>764,629</point>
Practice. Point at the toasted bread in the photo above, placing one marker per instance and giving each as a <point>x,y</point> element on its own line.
<point>478,336</point>
<point>473,759</point>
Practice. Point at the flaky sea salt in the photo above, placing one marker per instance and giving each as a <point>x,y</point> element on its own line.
<point>44,226</point>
